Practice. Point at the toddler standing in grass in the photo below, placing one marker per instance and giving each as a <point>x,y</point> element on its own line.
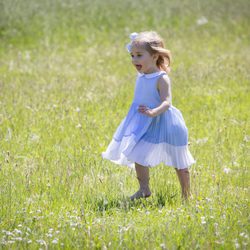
<point>153,131</point>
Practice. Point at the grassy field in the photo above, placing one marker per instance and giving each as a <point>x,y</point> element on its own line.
<point>66,82</point>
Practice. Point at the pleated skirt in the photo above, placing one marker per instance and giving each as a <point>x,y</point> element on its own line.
<point>151,141</point>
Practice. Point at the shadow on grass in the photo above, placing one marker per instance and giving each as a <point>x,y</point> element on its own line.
<point>157,200</point>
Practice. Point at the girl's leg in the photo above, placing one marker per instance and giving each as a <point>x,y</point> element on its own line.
<point>143,178</point>
<point>184,178</point>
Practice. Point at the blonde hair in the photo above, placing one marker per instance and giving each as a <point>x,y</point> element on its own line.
<point>154,44</point>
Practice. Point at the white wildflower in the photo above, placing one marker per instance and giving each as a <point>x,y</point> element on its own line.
<point>73,224</point>
<point>3,242</point>
<point>18,238</point>
<point>203,221</point>
<point>163,246</point>
<point>226,170</point>
<point>246,138</point>
<point>11,65</point>
<point>17,231</point>
<point>202,140</point>
<point>78,125</point>
<point>27,55</point>
<point>244,235</point>
<point>201,21</point>
<point>78,109</point>
<point>34,137</point>
<point>55,241</point>
<point>219,242</point>
<point>9,134</point>
<point>235,163</point>
<point>41,242</point>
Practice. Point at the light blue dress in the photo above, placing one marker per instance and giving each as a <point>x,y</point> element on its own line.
<point>146,140</point>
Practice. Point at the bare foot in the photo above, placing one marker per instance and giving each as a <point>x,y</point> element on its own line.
<point>140,194</point>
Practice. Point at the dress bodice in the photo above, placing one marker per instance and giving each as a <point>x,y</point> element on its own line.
<point>146,92</point>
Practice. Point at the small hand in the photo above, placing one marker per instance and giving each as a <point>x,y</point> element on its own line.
<point>146,111</point>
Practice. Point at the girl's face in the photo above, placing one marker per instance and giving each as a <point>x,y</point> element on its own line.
<point>143,61</point>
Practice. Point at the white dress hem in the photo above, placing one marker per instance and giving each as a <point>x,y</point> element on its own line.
<point>147,154</point>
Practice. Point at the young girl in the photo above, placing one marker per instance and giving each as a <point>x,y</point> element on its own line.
<point>153,130</point>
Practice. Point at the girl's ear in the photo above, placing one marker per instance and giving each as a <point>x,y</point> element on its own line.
<point>155,56</point>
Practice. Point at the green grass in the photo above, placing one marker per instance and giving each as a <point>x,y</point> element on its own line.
<point>66,82</point>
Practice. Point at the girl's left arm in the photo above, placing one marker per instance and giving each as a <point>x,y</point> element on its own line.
<point>164,90</point>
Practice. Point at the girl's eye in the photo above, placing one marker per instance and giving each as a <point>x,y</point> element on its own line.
<point>138,55</point>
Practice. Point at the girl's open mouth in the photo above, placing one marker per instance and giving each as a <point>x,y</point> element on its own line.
<point>138,67</point>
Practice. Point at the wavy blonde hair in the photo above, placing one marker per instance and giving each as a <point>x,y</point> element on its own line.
<point>153,43</point>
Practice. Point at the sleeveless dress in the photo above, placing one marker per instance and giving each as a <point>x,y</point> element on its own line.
<point>146,140</point>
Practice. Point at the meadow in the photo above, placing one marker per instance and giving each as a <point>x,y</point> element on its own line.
<point>66,82</point>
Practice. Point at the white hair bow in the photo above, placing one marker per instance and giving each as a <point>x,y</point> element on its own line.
<point>132,37</point>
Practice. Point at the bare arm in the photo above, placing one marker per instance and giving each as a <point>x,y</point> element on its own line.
<point>164,90</point>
